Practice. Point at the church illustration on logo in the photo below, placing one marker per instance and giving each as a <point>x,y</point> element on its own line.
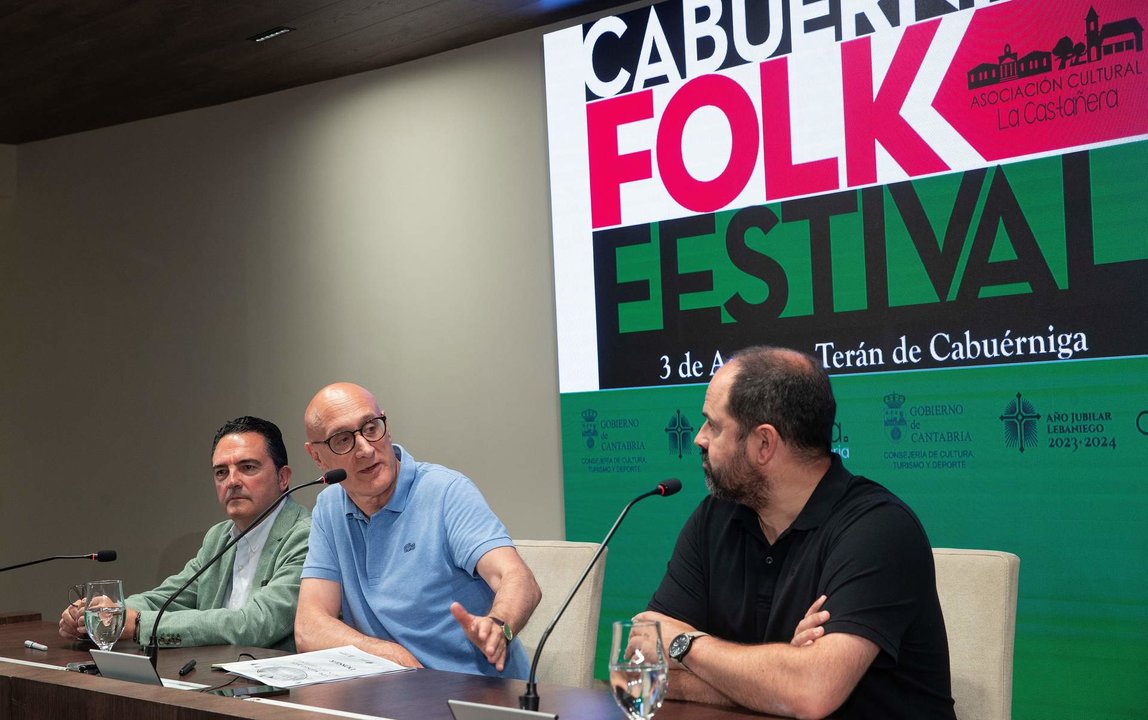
<point>1100,42</point>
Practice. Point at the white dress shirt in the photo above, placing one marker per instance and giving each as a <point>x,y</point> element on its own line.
<point>247,552</point>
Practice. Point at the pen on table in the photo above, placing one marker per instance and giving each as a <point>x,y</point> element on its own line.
<point>35,645</point>
<point>187,667</point>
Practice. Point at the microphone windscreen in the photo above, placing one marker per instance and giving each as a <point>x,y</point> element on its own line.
<point>669,486</point>
<point>334,476</point>
<point>105,556</point>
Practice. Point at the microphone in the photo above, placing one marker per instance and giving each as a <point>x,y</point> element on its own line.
<point>328,478</point>
<point>101,556</point>
<point>529,699</point>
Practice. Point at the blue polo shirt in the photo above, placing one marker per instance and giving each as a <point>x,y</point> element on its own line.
<point>402,568</point>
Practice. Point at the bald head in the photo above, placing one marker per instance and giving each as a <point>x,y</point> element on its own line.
<point>349,415</point>
<point>331,401</point>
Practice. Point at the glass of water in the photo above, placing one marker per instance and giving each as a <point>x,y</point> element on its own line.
<point>638,668</point>
<point>104,612</point>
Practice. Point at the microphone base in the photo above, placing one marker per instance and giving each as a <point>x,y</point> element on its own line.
<point>528,702</point>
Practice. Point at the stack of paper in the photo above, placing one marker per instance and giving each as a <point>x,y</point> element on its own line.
<point>320,666</point>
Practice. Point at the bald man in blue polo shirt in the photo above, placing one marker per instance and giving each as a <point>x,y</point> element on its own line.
<point>406,559</point>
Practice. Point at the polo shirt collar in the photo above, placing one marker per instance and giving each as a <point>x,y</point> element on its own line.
<point>830,489</point>
<point>403,484</point>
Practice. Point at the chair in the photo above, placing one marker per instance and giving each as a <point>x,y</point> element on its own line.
<point>568,658</point>
<point>978,590</point>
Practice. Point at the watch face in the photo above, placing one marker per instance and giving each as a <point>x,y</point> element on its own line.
<point>679,646</point>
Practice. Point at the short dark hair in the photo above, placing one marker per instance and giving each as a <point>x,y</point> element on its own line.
<point>787,389</point>
<point>269,430</point>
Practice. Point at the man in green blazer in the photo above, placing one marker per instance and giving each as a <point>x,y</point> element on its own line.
<point>249,596</point>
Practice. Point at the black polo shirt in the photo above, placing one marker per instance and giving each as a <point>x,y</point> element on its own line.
<point>855,542</point>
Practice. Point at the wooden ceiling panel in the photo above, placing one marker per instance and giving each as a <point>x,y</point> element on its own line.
<point>67,66</point>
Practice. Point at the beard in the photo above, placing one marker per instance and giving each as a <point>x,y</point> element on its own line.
<point>736,482</point>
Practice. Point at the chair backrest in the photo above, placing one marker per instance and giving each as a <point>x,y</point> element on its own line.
<point>569,655</point>
<point>978,591</point>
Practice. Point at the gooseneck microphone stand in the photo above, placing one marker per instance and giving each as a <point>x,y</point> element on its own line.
<point>329,478</point>
<point>529,699</point>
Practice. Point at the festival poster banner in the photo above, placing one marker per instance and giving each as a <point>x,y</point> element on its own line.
<point>945,203</point>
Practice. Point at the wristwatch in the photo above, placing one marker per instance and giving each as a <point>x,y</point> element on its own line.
<point>680,646</point>
<point>506,631</point>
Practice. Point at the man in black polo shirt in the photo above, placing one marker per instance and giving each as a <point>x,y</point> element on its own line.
<point>797,588</point>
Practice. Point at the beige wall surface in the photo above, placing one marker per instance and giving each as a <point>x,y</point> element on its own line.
<point>161,277</point>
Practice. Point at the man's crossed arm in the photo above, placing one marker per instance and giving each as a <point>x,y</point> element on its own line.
<point>809,677</point>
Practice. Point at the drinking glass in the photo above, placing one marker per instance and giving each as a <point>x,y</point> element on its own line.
<point>104,612</point>
<point>638,667</point>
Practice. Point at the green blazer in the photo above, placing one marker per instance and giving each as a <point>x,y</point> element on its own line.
<point>197,616</point>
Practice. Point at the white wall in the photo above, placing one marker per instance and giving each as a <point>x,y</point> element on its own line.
<point>161,277</point>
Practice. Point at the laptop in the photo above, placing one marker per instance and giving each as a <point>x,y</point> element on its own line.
<point>462,710</point>
<point>125,666</point>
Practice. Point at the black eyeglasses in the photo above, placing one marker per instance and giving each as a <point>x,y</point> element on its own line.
<point>343,442</point>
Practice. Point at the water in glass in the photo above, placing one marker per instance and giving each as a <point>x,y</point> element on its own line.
<point>105,625</point>
<point>104,612</point>
<point>638,672</point>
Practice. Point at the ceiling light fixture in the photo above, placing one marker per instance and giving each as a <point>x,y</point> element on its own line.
<point>268,34</point>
